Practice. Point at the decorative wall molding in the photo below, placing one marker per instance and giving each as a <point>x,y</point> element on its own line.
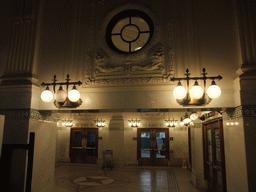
<point>84,125</point>
<point>153,115</point>
<point>48,116</point>
<point>239,112</point>
<point>125,81</point>
<point>153,125</point>
<point>180,129</point>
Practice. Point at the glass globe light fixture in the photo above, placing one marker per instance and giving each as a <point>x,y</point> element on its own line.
<point>213,91</point>
<point>60,95</point>
<point>74,95</point>
<point>187,120</point>
<point>194,116</point>
<point>196,92</point>
<point>179,92</point>
<point>47,95</point>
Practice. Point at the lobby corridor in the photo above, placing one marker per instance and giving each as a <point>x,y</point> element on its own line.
<point>82,178</point>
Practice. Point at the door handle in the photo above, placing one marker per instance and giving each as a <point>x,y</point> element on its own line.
<point>214,167</point>
<point>218,168</point>
<point>160,149</point>
<point>209,163</point>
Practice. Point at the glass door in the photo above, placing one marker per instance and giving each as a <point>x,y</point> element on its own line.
<point>214,156</point>
<point>153,147</point>
<point>84,145</point>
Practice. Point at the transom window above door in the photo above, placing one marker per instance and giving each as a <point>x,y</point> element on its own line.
<point>129,31</point>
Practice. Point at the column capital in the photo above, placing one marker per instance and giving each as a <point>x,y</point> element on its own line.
<point>247,69</point>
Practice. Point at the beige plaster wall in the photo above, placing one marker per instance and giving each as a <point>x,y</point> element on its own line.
<point>197,170</point>
<point>235,157</point>
<point>62,144</point>
<point>44,155</point>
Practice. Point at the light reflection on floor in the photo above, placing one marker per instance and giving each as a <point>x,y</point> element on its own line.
<point>126,179</point>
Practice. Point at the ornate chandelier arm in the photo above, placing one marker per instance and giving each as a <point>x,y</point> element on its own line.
<point>196,78</point>
<point>67,83</point>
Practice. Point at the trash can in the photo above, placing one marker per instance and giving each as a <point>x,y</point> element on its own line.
<point>107,159</point>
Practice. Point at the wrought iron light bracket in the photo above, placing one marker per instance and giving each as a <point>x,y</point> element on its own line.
<point>67,103</point>
<point>188,100</point>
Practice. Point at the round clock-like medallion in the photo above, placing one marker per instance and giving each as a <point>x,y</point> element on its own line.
<point>129,31</point>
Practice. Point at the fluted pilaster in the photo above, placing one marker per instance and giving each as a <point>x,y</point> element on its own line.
<point>22,41</point>
<point>246,20</point>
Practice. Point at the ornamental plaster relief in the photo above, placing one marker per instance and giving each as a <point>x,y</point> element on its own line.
<point>149,66</point>
<point>151,70</point>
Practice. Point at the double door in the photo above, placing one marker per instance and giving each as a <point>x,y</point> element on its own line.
<point>84,145</point>
<point>153,146</point>
<point>214,159</point>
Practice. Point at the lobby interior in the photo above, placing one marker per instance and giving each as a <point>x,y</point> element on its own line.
<point>127,128</point>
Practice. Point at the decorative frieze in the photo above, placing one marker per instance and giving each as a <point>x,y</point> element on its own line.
<point>30,114</point>
<point>125,81</point>
<point>143,69</point>
<point>44,115</point>
<point>180,129</point>
<point>239,112</point>
<point>153,125</point>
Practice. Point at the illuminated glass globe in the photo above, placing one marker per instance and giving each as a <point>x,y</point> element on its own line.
<point>61,95</point>
<point>179,92</point>
<point>196,92</point>
<point>47,95</point>
<point>74,95</point>
<point>186,121</point>
<point>213,91</point>
<point>193,116</point>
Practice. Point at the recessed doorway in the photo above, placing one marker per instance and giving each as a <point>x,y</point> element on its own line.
<point>84,145</point>
<point>153,146</point>
<point>214,157</point>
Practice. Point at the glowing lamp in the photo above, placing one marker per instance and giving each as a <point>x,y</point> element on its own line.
<point>213,91</point>
<point>74,95</point>
<point>179,92</point>
<point>46,95</point>
<point>196,92</point>
<point>61,95</point>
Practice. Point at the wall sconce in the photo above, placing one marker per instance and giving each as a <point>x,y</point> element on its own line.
<point>70,99</point>
<point>194,116</point>
<point>232,122</point>
<point>171,123</point>
<point>134,123</point>
<point>196,95</point>
<point>67,123</point>
<point>100,123</point>
<point>186,121</point>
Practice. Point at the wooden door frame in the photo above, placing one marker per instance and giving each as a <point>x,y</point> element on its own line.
<point>205,149</point>
<point>157,130</point>
<point>72,131</point>
<point>189,147</point>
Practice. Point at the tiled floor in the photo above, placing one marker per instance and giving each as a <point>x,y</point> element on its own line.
<point>83,178</point>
